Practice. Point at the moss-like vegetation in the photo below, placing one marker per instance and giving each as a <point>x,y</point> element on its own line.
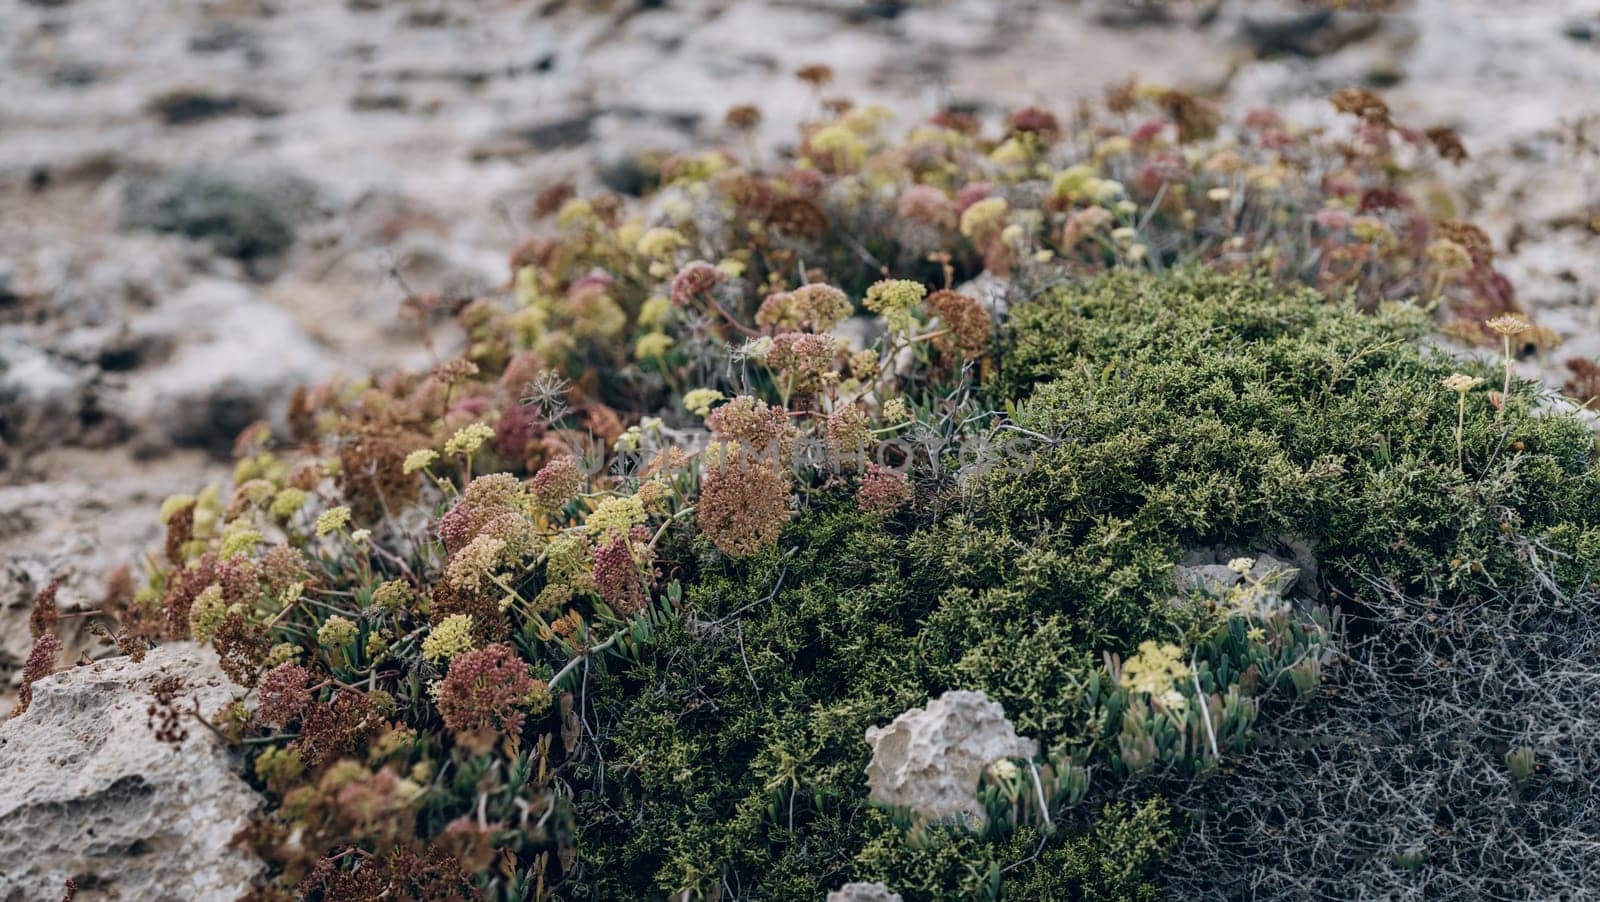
<point>1164,415</point>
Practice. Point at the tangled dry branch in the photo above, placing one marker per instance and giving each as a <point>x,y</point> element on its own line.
<point>1455,757</point>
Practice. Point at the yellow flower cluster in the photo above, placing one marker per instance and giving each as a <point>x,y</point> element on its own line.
<point>420,459</point>
<point>652,345</point>
<point>844,148</point>
<point>894,298</point>
<point>615,513</point>
<point>287,503</point>
<point>1155,669</point>
<point>984,219</point>
<point>1461,382</point>
<point>332,520</point>
<point>239,537</point>
<point>698,401</point>
<point>468,439</point>
<point>473,564</point>
<point>336,632</point>
<point>450,637</point>
<point>659,243</point>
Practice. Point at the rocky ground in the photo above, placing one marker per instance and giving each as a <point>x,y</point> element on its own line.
<point>208,203</point>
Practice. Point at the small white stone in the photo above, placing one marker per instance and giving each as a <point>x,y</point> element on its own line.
<point>863,892</point>
<point>929,759</point>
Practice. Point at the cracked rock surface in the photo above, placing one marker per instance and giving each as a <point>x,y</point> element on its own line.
<point>863,892</point>
<point>88,792</point>
<point>929,759</point>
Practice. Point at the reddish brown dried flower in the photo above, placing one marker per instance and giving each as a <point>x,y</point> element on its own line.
<point>798,219</point>
<point>695,280</point>
<point>240,578</point>
<point>956,121</point>
<point>487,688</point>
<point>1469,236</point>
<point>180,529</point>
<point>41,663</point>
<point>519,425</point>
<point>1123,97</point>
<point>301,415</point>
<point>1364,104</point>
<point>1035,121</point>
<point>183,586</point>
<point>883,490</point>
<point>454,372</point>
<point>619,577</point>
<point>401,874</point>
<point>1383,199</point>
<point>284,693</point>
<point>489,623</point>
<point>483,499</point>
<point>551,199</point>
<point>556,483</point>
<point>756,426</point>
<point>838,106</point>
<point>241,648</point>
<point>849,432</point>
<point>815,74</point>
<point>743,503</point>
<point>927,205</point>
<point>804,355</point>
<point>341,729</point>
<point>282,567</point>
<point>1584,386</point>
<point>743,117</point>
<point>966,319</point>
<point>1196,119</point>
<point>1447,143</point>
<point>372,470</point>
<point>119,590</point>
<point>45,611</point>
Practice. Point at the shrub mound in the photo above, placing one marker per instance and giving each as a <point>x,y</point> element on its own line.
<point>1168,414</point>
<point>602,606</point>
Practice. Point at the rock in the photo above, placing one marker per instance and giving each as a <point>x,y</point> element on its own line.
<point>863,892</point>
<point>38,391</point>
<point>237,356</point>
<point>991,290</point>
<point>929,759</point>
<point>1208,571</point>
<point>91,794</point>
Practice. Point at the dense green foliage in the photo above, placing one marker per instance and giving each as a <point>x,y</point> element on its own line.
<point>1196,410</point>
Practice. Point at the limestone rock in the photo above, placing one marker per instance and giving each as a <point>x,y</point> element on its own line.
<point>1209,572</point>
<point>237,356</point>
<point>929,759</point>
<point>90,793</point>
<point>863,892</point>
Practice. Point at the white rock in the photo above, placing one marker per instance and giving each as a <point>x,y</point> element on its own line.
<point>929,759</point>
<point>863,892</point>
<point>89,793</point>
<point>1198,572</point>
<point>239,355</point>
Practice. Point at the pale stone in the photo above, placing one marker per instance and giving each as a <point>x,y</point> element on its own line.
<point>863,892</point>
<point>90,793</point>
<point>929,759</point>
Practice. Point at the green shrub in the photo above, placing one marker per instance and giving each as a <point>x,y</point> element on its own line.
<point>1196,410</point>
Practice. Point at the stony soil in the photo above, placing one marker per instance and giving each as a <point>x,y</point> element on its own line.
<point>206,204</point>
